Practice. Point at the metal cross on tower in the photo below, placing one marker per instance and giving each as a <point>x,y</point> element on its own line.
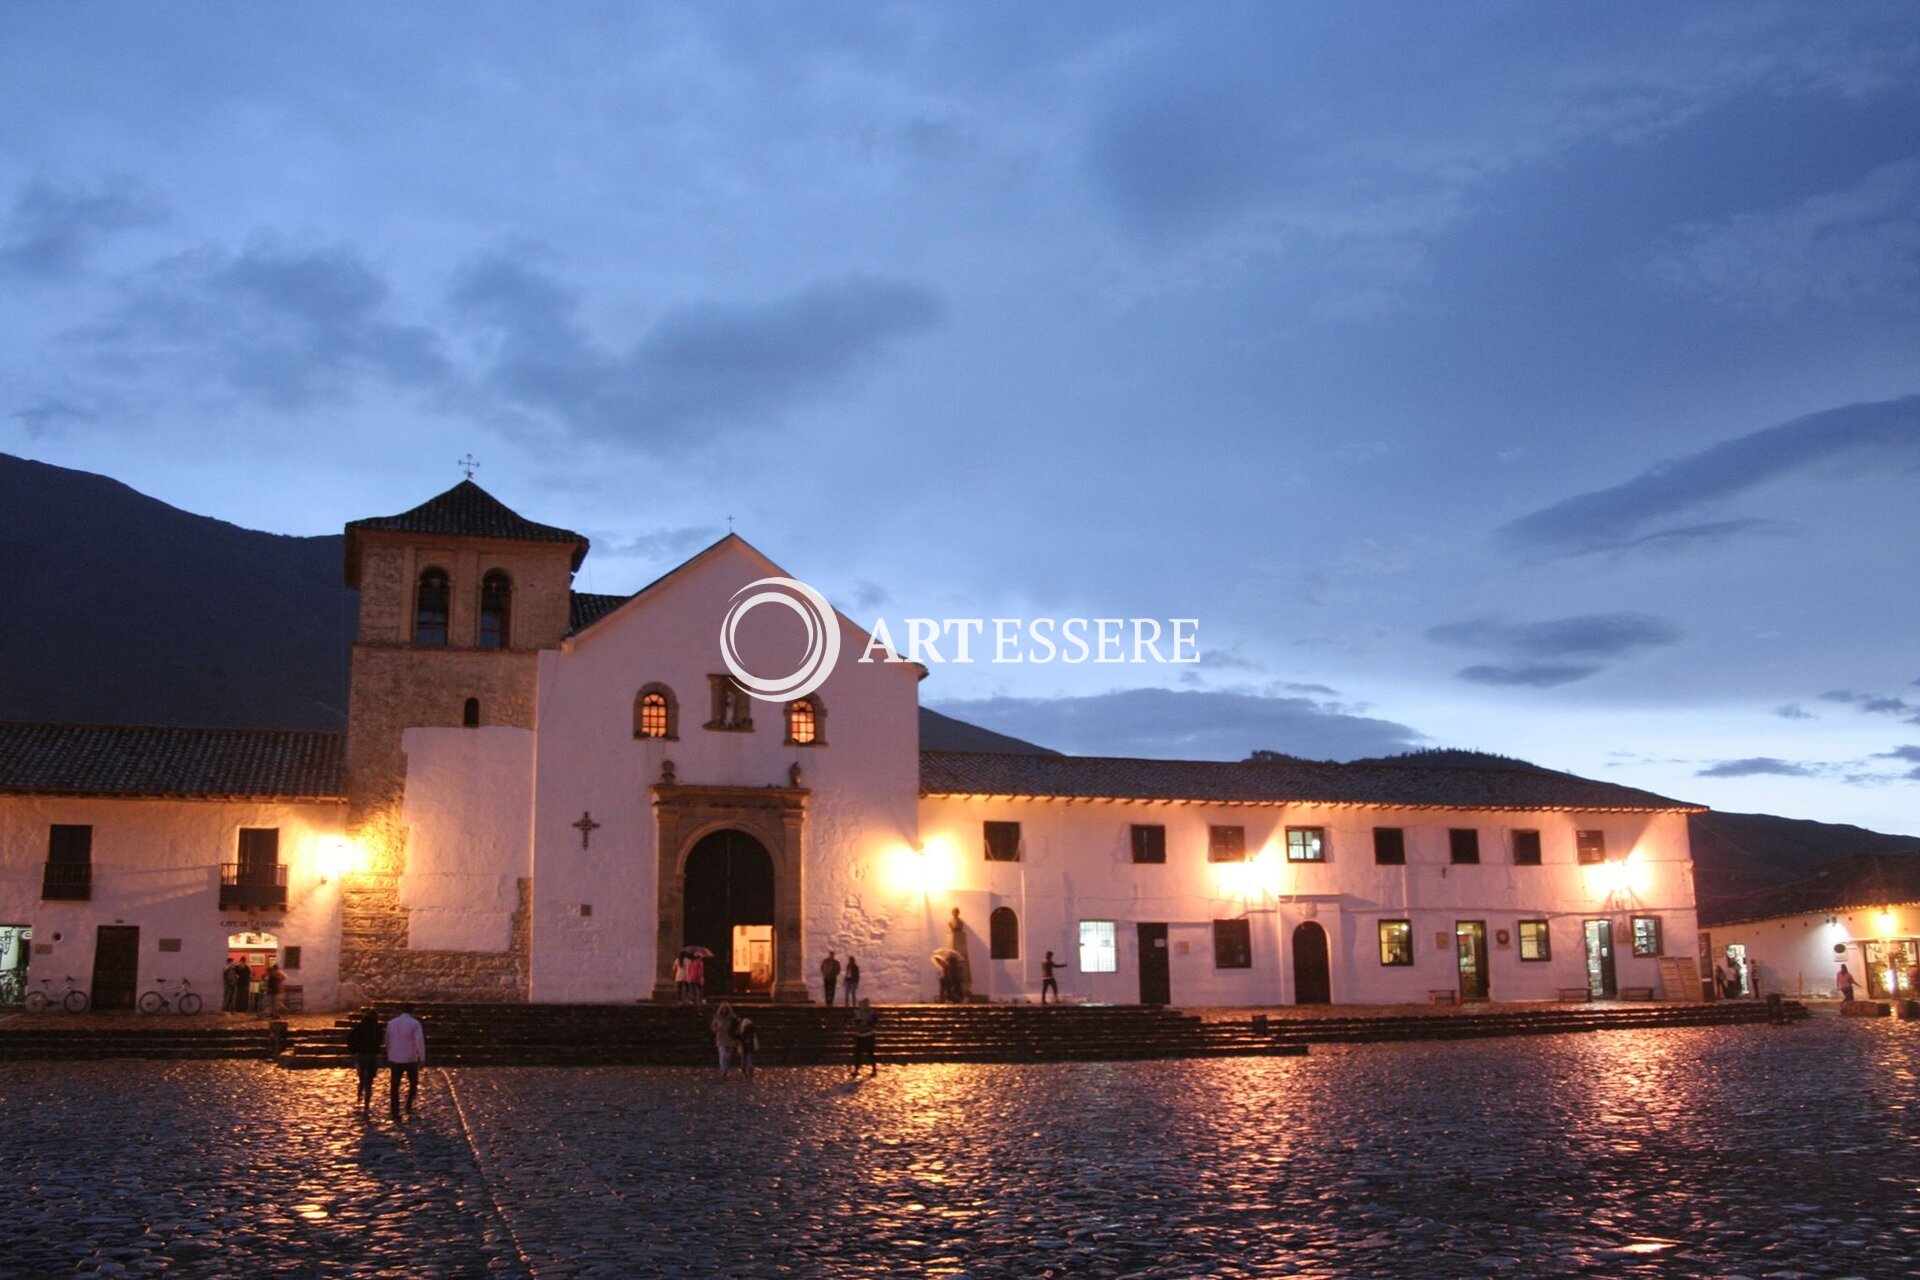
<point>586,827</point>
<point>469,464</point>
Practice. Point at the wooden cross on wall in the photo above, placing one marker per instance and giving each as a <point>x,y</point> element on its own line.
<point>586,827</point>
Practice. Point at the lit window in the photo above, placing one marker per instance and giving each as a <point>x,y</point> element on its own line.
<point>1232,944</point>
<point>430,609</point>
<point>1396,942</point>
<point>1646,935</point>
<point>1149,843</point>
<point>1099,947</point>
<point>1463,845</point>
<point>1003,934</point>
<point>1002,841</point>
<point>496,610</point>
<point>806,722</point>
<point>654,713</point>
<point>1306,844</point>
<point>1591,846</point>
<point>1536,943</point>
<point>1526,848</point>
<point>1226,844</point>
<point>1389,847</point>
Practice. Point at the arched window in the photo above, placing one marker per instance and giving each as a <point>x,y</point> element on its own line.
<point>655,713</point>
<point>496,610</point>
<point>806,723</point>
<point>470,714</point>
<point>1003,934</point>
<point>430,608</point>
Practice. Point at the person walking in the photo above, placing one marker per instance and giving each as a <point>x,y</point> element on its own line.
<point>406,1045</point>
<point>725,1042</point>
<point>853,980</point>
<point>865,1018</point>
<point>1047,981</point>
<point>748,1037</point>
<point>276,981</point>
<point>830,975</point>
<point>1845,982</point>
<point>363,1042</point>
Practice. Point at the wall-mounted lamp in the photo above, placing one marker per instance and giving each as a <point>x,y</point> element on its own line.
<point>336,857</point>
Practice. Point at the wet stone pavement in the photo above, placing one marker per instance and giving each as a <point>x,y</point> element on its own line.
<point>1747,1151</point>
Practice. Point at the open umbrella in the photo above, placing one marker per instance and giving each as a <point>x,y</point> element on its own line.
<point>691,952</point>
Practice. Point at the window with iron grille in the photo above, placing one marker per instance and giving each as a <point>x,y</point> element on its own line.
<point>1099,946</point>
<point>1149,843</point>
<point>1590,846</point>
<point>1526,848</point>
<point>1536,940</point>
<point>1002,841</point>
<point>1646,935</point>
<point>1232,944</point>
<point>1389,847</point>
<point>496,610</point>
<point>430,608</point>
<point>1306,844</point>
<point>1463,844</point>
<point>1226,844</point>
<point>1396,942</point>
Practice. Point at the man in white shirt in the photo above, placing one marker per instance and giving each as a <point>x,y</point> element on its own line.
<point>406,1044</point>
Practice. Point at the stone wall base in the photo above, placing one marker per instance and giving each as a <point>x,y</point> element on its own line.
<point>377,964</point>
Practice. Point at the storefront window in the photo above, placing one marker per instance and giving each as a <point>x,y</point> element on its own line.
<point>1890,969</point>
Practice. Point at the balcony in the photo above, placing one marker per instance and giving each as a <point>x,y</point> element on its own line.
<point>67,882</point>
<point>253,886</point>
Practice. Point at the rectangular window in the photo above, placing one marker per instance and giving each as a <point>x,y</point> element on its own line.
<point>1526,848</point>
<point>1591,846</point>
<point>1535,942</point>
<point>1389,847</point>
<point>1646,935</point>
<point>290,959</point>
<point>68,875</point>
<point>1306,844</point>
<point>1463,844</point>
<point>1226,844</point>
<point>1232,944</point>
<point>1396,942</point>
<point>1099,947</point>
<point>1003,841</point>
<point>259,849</point>
<point>1149,843</point>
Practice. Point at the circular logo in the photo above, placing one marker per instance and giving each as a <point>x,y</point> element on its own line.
<point>823,638</point>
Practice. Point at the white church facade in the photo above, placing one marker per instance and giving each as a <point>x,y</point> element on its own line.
<point>543,795</point>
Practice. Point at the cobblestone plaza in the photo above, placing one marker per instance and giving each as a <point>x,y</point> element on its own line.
<point>1741,1151</point>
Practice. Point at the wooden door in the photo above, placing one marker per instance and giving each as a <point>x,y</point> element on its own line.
<point>1312,973</point>
<point>1156,974</point>
<point>116,966</point>
<point>1470,939</point>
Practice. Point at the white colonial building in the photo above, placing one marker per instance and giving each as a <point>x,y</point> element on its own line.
<point>545,795</point>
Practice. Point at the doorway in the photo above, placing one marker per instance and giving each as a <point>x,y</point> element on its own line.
<point>1156,975</point>
<point>1470,940</point>
<point>729,898</point>
<point>256,951</point>
<point>1600,980</point>
<point>1312,974</point>
<point>16,942</point>
<point>116,966</point>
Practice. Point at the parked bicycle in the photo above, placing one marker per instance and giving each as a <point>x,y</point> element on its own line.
<point>74,1000</point>
<point>182,1001</point>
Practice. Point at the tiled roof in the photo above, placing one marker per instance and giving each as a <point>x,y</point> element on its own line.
<point>1864,880</point>
<point>588,608</point>
<point>1409,786</point>
<point>144,760</point>
<point>467,510</point>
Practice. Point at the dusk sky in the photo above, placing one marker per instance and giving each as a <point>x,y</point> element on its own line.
<point>1541,379</point>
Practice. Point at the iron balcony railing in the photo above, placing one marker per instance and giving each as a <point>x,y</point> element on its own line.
<point>67,882</point>
<point>253,885</point>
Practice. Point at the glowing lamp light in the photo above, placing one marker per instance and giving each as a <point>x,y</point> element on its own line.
<point>1885,923</point>
<point>336,857</point>
<point>924,870</point>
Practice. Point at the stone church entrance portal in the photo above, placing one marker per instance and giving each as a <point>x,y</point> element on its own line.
<point>729,911</point>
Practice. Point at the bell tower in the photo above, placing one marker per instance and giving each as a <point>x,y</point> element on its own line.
<point>457,598</point>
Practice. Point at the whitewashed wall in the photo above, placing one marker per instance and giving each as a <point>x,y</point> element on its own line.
<point>1077,865</point>
<point>1796,954</point>
<point>468,808</point>
<point>156,865</point>
<point>864,783</point>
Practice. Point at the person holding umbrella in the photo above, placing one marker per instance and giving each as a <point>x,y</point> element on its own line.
<point>697,974</point>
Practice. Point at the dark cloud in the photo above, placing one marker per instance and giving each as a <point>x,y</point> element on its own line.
<point>51,230</point>
<point>674,545</point>
<point>699,365</point>
<point>50,416</point>
<point>1587,635</point>
<point>1908,753</point>
<point>1877,704</point>
<point>1179,158</point>
<point>1184,724</point>
<point>1754,766</point>
<point>1794,711</point>
<point>287,327</point>
<point>1853,438</point>
<point>1542,675</point>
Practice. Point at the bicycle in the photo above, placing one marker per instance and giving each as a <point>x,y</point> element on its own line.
<point>74,1001</point>
<point>183,1001</point>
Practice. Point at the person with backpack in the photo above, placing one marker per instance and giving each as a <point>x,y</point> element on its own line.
<point>725,1043</point>
<point>747,1036</point>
